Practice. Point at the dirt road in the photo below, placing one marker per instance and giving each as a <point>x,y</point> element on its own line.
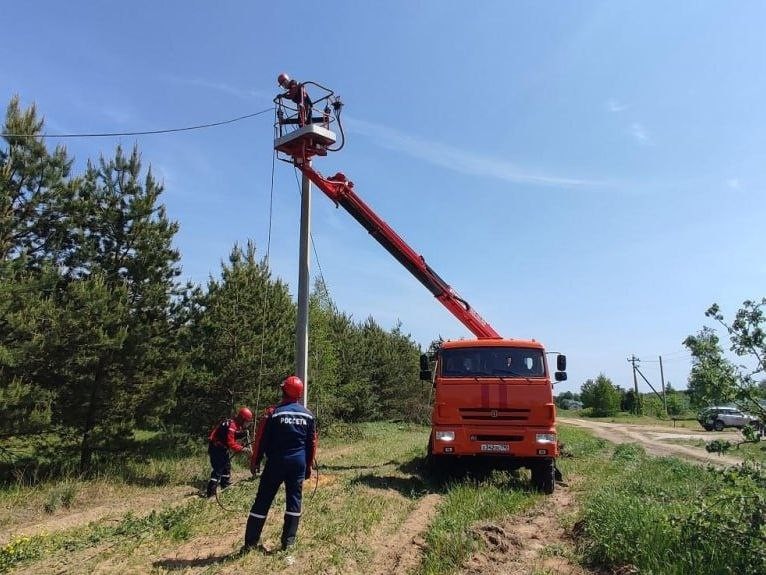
<point>656,439</point>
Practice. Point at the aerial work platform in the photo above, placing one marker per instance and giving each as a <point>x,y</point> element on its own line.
<point>309,140</point>
<point>302,128</point>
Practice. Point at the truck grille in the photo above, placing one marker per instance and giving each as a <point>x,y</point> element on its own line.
<point>486,414</point>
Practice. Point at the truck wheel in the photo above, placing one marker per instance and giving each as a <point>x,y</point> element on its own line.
<point>544,476</point>
<point>435,463</point>
<point>718,425</point>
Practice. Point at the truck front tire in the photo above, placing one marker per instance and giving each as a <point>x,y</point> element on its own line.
<point>544,475</point>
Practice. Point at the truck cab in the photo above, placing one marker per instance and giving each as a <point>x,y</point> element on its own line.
<point>494,398</point>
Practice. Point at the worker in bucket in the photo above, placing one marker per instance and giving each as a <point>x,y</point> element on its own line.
<point>286,435</point>
<point>296,92</point>
<point>223,438</point>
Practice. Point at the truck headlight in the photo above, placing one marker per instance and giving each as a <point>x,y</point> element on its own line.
<point>445,436</point>
<point>545,438</point>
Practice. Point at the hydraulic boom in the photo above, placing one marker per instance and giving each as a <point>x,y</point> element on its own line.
<point>341,191</point>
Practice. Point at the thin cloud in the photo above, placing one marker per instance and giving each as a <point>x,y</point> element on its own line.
<point>615,106</point>
<point>458,160</point>
<point>236,91</point>
<point>118,115</point>
<point>639,133</point>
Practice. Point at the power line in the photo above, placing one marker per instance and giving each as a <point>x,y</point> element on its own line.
<point>138,133</point>
<point>667,359</point>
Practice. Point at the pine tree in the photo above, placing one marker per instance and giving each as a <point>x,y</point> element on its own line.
<point>89,268</point>
<point>241,343</point>
<point>34,191</point>
<point>125,237</point>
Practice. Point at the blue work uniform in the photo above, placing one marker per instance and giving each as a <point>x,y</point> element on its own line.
<point>287,437</point>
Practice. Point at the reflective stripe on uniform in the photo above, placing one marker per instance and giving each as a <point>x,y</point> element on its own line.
<point>258,516</point>
<point>293,513</point>
<point>302,414</point>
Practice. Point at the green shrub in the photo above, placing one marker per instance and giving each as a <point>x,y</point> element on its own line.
<point>62,495</point>
<point>628,452</point>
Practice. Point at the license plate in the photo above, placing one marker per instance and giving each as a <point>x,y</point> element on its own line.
<point>495,447</point>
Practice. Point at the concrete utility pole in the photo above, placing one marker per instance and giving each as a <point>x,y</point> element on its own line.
<point>304,264</point>
<point>662,379</point>
<point>636,403</point>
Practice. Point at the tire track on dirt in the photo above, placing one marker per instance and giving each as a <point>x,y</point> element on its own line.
<point>400,553</point>
<point>532,542</point>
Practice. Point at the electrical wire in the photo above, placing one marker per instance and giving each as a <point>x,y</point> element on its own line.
<point>264,308</point>
<point>139,133</point>
<point>666,359</point>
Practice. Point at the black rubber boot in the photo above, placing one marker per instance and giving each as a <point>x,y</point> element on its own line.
<point>253,531</point>
<point>289,530</point>
<point>212,487</point>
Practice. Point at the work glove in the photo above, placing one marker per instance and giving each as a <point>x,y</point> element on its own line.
<point>255,469</point>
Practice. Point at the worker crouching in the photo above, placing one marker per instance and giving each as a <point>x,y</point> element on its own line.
<point>286,435</point>
<point>223,438</point>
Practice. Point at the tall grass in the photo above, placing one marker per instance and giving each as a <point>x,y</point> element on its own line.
<point>665,516</point>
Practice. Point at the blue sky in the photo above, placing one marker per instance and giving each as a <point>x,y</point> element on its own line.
<point>589,174</point>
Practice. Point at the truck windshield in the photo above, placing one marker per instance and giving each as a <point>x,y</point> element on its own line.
<point>492,362</point>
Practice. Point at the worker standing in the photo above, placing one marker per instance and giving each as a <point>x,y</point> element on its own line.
<point>286,435</point>
<point>223,438</point>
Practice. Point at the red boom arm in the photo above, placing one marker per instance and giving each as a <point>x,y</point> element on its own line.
<point>341,191</point>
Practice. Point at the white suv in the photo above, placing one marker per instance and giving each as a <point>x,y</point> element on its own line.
<point>720,417</point>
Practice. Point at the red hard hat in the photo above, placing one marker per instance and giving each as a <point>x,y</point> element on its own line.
<point>283,79</point>
<point>292,387</point>
<point>245,415</point>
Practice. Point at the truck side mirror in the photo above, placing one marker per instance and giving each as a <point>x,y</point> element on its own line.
<point>561,375</point>
<point>561,363</point>
<point>425,368</point>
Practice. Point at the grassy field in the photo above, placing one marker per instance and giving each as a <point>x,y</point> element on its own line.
<point>196,535</point>
<point>374,495</point>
